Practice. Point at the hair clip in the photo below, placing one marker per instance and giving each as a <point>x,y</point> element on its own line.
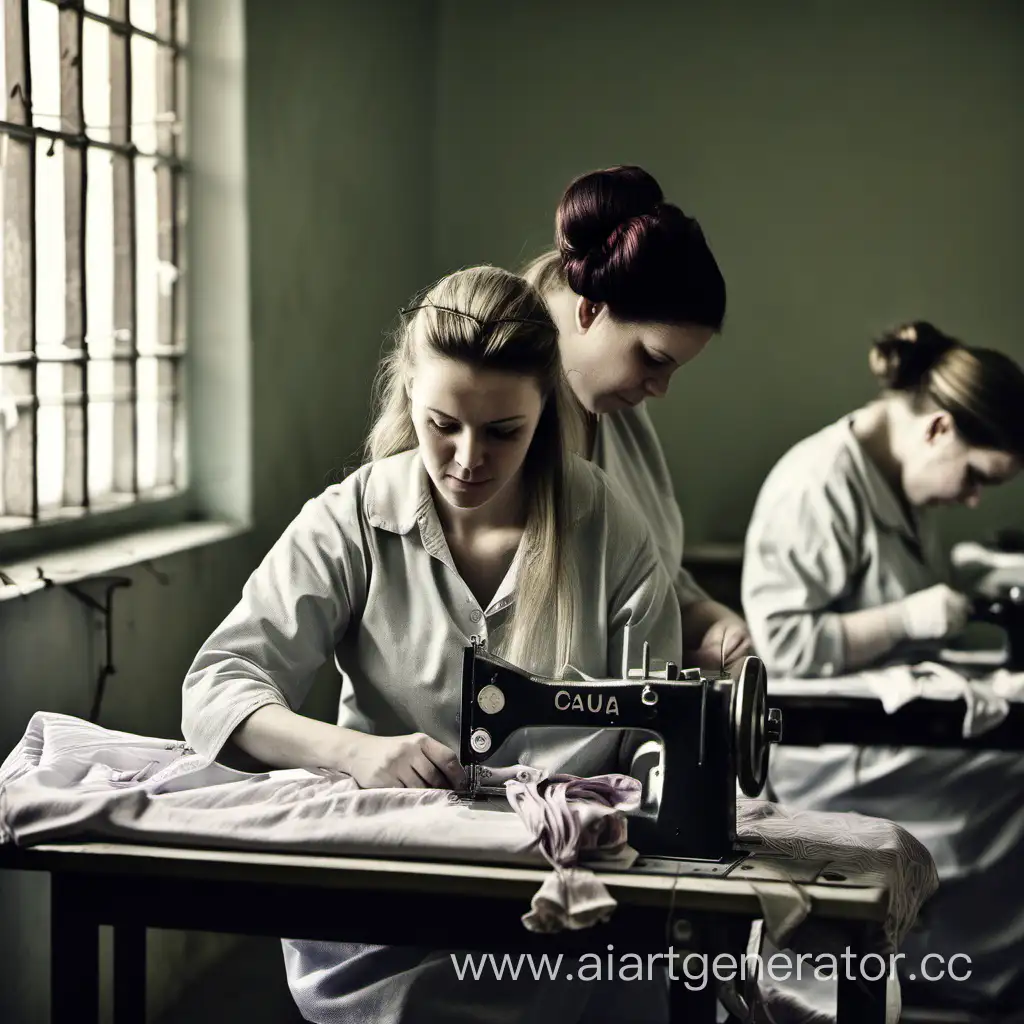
<point>475,319</point>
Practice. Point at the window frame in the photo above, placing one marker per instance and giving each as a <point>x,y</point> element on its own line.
<point>83,525</point>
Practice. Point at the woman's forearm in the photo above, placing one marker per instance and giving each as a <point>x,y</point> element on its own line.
<point>281,738</point>
<point>870,634</point>
<point>699,617</point>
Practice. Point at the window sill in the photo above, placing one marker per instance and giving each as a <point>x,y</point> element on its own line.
<point>19,579</point>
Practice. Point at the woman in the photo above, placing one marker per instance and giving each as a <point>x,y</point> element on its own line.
<point>636,293</point>
<point>843,571</point>
<point>471,517</point>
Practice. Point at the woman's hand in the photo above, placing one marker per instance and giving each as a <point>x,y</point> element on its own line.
<point>933,613</point>
<point>723,644</point>
<point>394,762</point>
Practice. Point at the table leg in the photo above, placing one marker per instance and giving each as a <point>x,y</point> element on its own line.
<point>691,997</point>
<point>129,974</point>
<point>686,1007</point>
<point>74,955</point>
<point>861,1000</point>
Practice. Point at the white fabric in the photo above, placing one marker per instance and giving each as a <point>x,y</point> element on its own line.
<point>829,535</point>
<point>71,779</point>
<point>989,570</point>
<point>573,897</point>
<point>987,698</point>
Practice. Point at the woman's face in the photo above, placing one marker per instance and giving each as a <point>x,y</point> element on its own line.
<point>474,428</point>
<point>611,364</point>
<point>941,469</point>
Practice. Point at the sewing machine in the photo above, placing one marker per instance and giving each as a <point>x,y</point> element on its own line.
<point>713,733</point>
<point>1007,612</point>
<point>995,575</point>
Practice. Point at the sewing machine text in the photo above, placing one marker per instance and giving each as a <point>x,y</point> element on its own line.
<point>595,703</point>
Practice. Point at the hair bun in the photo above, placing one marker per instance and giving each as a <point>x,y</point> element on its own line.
<point>904,356</point>
<point>598,210</point>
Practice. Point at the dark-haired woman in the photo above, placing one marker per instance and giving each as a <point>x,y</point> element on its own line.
<point>843,571</point>
<point>636,293</point>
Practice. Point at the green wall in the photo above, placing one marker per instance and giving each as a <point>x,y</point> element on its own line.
<point>853,164</point>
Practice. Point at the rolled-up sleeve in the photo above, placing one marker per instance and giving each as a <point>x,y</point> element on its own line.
<point>293,610</point>
<point>795,569</point>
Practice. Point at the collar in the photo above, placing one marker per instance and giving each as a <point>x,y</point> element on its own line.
<point>886,507</point>
<point>397,492</point>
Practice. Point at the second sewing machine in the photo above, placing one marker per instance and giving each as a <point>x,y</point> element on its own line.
<point>711,731</point>
<point>994,573</point>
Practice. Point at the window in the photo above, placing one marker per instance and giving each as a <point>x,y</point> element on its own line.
<point>92,288</point>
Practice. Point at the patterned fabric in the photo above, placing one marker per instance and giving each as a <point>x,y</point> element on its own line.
<point>873,849</point>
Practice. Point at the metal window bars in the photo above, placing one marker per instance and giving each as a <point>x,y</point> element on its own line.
<point>93,279</point>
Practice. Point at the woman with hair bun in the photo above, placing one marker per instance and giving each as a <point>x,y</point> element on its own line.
<point>636,293</point>
<point>843,571</point>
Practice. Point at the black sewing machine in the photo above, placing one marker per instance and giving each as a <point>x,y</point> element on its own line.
<point>994,574</point>
<point>1006,611</point>
<point>713,732</point>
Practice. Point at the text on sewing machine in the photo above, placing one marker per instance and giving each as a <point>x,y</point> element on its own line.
<point>596,703</point>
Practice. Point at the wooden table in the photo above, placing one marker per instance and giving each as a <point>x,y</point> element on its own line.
<point>440,905</point>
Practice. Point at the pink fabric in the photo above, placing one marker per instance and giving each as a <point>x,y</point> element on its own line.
<point>594,821</point>
<point>570,817</point>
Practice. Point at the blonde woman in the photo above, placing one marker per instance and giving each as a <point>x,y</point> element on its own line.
<point>844,571</point>
<point>636,293</point>
<point>470,517</point>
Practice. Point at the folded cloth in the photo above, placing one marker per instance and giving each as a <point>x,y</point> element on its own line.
<point>570,816</point>
<point>71,779</point>
<point>970,553</point>
<point>987,696</point>
<point>987,699</point>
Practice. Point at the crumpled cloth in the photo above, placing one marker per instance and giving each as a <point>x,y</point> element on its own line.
<point>991,570</point>
<point>987,696</point>
<point>571,817</point>
<point>874,850</point>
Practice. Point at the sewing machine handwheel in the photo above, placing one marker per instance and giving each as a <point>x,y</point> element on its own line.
<point>750,726</point>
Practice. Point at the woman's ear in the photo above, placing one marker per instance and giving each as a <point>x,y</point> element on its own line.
<point>586,313</point>
<point>940,426</point>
